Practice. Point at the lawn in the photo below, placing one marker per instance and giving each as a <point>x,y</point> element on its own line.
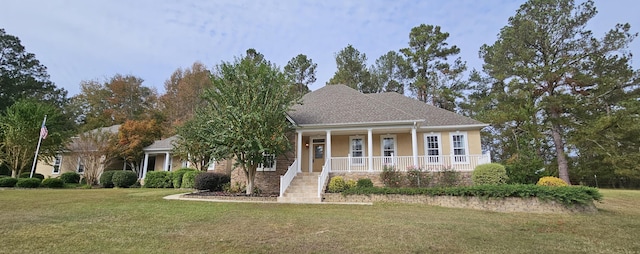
<point>140,221</point>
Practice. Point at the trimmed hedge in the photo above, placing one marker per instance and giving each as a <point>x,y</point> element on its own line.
<point>106,179</point>
<point>364,183</point>
<point>189,179</point>
<point>158,179</point>
<point>28,182</point>
<point>211,181</point>
<point>567,195</point>
<point>124,179</point>
<point>178,174</point>
<point>52,183</point>
<point>70,177</point>
<point>337,184</point>
<point>8,181</point>
<point>28,174</point>
<point>490,173</point>
<point>551,181</point>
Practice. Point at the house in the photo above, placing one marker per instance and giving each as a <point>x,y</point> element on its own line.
<point>340,131</point>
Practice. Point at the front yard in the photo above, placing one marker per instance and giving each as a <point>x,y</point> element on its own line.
<point>140,221</point>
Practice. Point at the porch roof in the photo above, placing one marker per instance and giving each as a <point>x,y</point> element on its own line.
<point>335,105</point>
<point>161,145</point>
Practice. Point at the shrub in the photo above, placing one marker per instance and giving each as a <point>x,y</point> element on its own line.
<point>364,183</point>
<point>106,179</point>
<point>551,181</point>
<point>189,179</point>
<point>28,174</point>
<point>351,184</point>
<point>211,181</point>
<point>448,177</point>
<point>490,173</point>
<point>124,179</point>
<point>418,178</point>
<point>52,183</point>
<point>70,177</point>
<point>337,184</point>
<point>177,176</point>
<point>8,181</point>
<point>391,177</point>
<point>158,179</point>
<point>28,182</point>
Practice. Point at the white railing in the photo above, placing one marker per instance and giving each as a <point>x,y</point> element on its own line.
<point>404,163</point>
<point>322,178</point>
<point>285,180</point>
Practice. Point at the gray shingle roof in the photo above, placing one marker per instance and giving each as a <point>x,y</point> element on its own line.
<point>339,104</point>
<point>163,144</point>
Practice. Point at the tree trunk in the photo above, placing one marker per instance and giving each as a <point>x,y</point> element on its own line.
<point>250,173</point>
<point>563,165</point>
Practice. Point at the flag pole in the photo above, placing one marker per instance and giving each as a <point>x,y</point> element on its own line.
<point>35,158</point>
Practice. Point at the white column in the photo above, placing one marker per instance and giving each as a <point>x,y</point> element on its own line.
<point>145,164</point>
<point>166,161</point>
<point>327,153</point>
<point>370,149</point>
<point>414,145</point>
<point>299,151</point>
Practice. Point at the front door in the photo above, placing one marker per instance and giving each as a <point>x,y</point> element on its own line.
<point>318,157</point>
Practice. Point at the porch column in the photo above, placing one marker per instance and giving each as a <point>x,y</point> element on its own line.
<point>327,153</point>
<point>414,146</point>
<point>299,152</point>
<point>145,164</point>
<point>370,149</point>
<point>166,161</point>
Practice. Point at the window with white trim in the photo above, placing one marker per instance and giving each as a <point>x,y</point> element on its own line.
<point>269,163</point>
<point>80,168</point>
<point>389,148</point>
<point>432,148</point>
<point>57,161</point>
<point>212,164</point>
<point>356,150</point>
<point>459,147</point>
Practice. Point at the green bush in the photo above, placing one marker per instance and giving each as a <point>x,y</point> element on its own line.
<point>391,177</point>
<point>52,183</point>
<point>70,177</point>
<point>158,179</point>
<point>28,174</point>
<point>490,173</point>
<point>28,182</point>
<point>364,183</point>
<point>211,181</point>
<point>106,179</point>
<point>418,178</point>
<point>189,179</point>
<point>177,176</point>
<point>351,184</point>
<point>124,179</point>
<point>8,181</point>
<point>336,184</point>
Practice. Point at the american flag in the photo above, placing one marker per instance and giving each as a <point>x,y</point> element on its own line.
<point>43,131</point>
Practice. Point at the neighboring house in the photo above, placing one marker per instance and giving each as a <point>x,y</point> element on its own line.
<point>340,131</point>
<point>69,161</point>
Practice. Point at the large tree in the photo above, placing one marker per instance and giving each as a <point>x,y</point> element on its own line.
<point>133,136</point>
<point>554,68</point>
<point>191,145</point>
<point>20,129</point>
<point>245,118</point>
<point>23,76</point>
<point>352,70</point>
<point>435,79</point>
<point>390,73</point>
<point>302,71</point>
<point>94,150</point>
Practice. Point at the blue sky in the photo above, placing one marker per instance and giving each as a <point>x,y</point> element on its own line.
<point>83,40</point>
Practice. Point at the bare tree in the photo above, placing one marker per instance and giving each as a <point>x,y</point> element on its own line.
<point>92,152</point>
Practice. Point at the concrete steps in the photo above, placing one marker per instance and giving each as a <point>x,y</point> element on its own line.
<point>303,189</point>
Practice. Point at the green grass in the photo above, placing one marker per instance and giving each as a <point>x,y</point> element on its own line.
<point>140,221</point>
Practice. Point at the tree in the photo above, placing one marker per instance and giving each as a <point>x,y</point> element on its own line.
<point>302,71</point>
<point>121,98</point>
<point>190,145</point>
<point>22,76</point>
<point>94,150</point>
<point>547,60</point>
<point>183,95</point>
<point>434,79</point>
<point>19,132</point>
<point>390,73</point>
<point>352,70</point>
<point>135,135</point>
<point>245,116</point>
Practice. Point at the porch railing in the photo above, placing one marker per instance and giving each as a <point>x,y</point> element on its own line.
<point>322,178</point>
<point>285,180</point>
<point>404,163</point>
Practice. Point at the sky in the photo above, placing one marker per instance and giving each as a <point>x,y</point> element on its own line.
<point>94,40</point>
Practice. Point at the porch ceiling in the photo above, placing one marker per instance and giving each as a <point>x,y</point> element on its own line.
<point>362,131</point>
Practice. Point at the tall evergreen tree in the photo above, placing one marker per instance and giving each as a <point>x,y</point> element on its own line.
<point>352,70</point>
<point>302,71</point>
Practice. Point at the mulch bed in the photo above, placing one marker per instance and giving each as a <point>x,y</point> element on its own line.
<point>228,194</point>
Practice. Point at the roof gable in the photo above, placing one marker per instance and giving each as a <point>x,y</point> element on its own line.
<point>163,144</point>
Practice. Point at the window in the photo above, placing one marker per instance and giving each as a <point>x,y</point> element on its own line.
<point>80,169</point>
<point>356,150</point>
<point>388,143</point>
<point>432,148</point>
<point>459,147</point>
<point>318,151</point>
<point>56,164</point>
<point>212,164</point>
<point>269,163</point>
